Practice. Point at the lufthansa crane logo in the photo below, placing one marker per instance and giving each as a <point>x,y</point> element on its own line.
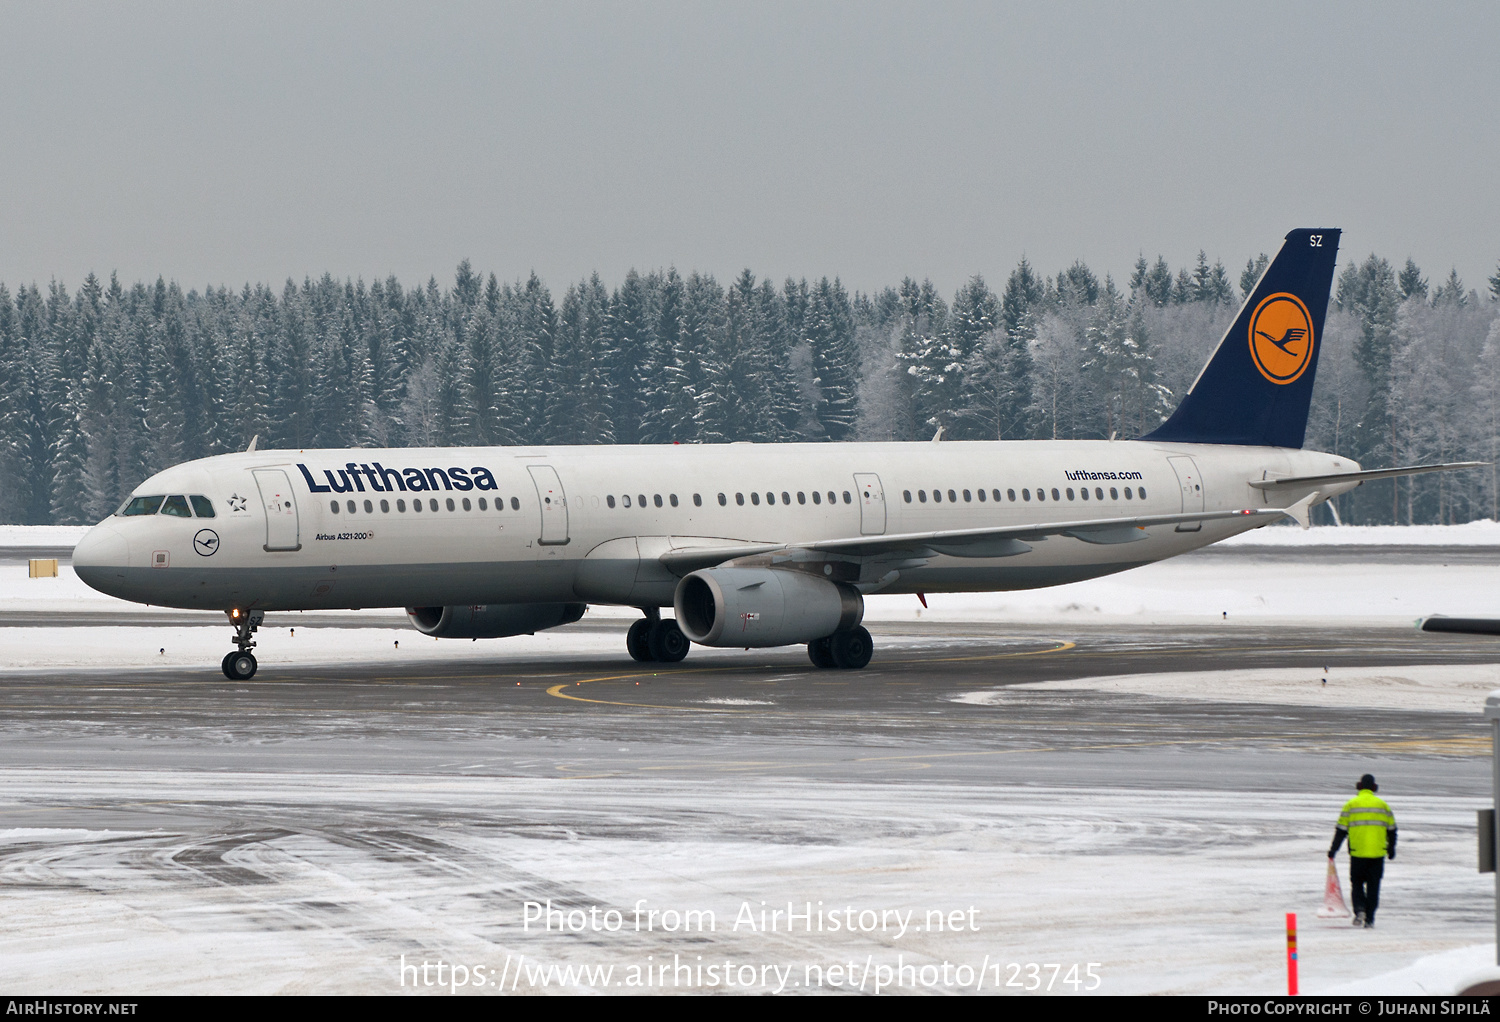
<point>1281,337</point>
<point>206,543</point>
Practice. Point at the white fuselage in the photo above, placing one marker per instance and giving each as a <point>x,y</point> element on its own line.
<point>302,530</point>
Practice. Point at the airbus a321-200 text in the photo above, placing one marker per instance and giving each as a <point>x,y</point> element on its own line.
<point>750,545</point>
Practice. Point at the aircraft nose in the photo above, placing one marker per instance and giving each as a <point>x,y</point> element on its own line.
<point>99,557</point>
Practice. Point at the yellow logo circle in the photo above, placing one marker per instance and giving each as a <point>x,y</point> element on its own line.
<point>1281,337</point>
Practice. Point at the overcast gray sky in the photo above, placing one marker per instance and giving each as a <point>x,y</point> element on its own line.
<point>228,142</point>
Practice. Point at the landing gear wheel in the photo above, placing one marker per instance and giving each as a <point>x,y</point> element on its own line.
<point>240,666</point>
<point>819,653</point>
<point>638,641</point>
<point>668,644</point>
<point>225,664</point>
<point>851,650</point>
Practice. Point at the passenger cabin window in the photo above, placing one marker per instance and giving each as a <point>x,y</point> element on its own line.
<point>1055,494</point>
<point>1070,493</point>
<point>467,505</point>
<point>1083,491</point>
<point>354,510</point>
<point>739,498</point>
<point>515,503</point>
<point>483,504</point>
<point>177,507</point>
<point>1009,494</point>
<point>385,507</point>
<point>697,500</point>
<point>202,506</point>
<point>1127,493</point>
<point>640,499</point>
<point>1140,491</point>
<point>786,498</point>
<point>755,499</point>
<point>369,508</point>
<point>723,500</point>
<point>333,506</point>
<point>981,496</point>
<point>906,495</point>
<point>832,497</point>
<point>817,497</point>
<point>922,496</point>
<point>416,505</point>
<point>401,505</point>
<point>672,499</point>
<point>1114,494</point>
<point>801,497</point>
<point>848,499</point>
<point>610,500</point>
<point>1025,494</point>
<point>656,499</point>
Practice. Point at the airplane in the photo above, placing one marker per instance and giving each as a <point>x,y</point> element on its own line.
<point>751,545</point>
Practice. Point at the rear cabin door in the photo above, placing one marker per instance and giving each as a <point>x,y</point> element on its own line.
<point>554,504</point>
<point>1192,489</point>
<point>871,504</point>
<point>282,526</point>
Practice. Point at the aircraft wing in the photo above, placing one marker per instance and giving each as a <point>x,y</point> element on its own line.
<point>991,542</point>
<point>1291,482</point>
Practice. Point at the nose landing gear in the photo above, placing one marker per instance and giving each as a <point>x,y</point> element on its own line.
<point>239,665</point>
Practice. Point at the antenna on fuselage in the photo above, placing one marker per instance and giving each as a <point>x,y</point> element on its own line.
<point>253,441</point>
<point>939,434</point>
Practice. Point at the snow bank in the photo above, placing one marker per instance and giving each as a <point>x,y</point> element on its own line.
<point>1481,533</point>
<point>41,535</point>
<point>1445,974</point>
<point>1455,688</point>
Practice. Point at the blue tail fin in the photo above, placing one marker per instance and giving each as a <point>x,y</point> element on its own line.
<point>1256,388</point>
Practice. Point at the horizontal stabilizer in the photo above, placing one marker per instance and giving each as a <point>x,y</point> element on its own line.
<point>1292,482</point>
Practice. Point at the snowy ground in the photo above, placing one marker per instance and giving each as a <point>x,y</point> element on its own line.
<point>1451,688</point>
<point>1165,891</point>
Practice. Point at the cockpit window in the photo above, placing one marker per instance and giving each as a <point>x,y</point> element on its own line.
<point>141,506</point>
<point>203,506</point>
<point>176,506</point>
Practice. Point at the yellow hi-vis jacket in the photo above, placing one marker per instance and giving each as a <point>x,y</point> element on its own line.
<point>1368,820</point>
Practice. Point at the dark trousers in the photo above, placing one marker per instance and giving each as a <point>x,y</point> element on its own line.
<point>1364,884</point>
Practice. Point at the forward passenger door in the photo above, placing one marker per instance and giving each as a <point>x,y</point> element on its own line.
<point>282,531</point>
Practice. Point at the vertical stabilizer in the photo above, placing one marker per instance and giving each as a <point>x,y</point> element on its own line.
<point>1257,387</point>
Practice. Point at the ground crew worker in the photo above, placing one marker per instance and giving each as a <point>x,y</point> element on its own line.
<point>1371,829</point>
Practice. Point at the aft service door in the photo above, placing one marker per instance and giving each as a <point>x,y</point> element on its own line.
<point>282,532</point>
<point>1192,489</point>
<point>871,504</point>
<point>554,504</point>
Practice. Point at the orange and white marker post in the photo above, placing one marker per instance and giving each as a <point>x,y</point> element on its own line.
<point>1291,954</point>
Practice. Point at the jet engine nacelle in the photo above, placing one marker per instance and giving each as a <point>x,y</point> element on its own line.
<point>763,607</point>
<point>494,621</point>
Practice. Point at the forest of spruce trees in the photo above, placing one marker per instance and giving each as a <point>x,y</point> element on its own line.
<point>102,387</point>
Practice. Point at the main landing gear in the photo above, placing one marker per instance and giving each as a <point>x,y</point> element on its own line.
<point>849,649</point>
<point>656,639</point>
<point>239,665</point>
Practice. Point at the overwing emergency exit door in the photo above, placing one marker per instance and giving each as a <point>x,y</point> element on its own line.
<point>1191,482</point>
<point>554,504</point>
<point>282,527</point>
<point>871,504</point>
